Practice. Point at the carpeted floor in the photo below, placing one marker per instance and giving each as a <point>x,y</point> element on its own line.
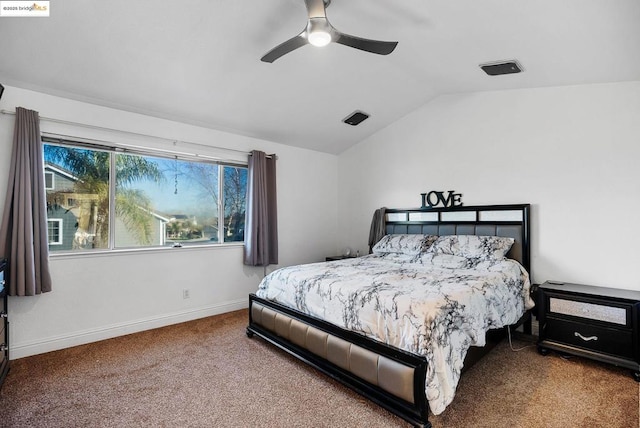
<point>207,373</point>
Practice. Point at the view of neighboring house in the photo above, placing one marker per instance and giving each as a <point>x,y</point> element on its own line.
<point>63,209</point>
<point>124,239</point>
<point>72,216</point>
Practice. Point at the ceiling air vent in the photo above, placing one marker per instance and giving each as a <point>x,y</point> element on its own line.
<point>355,118</point>
<point>502,67</point>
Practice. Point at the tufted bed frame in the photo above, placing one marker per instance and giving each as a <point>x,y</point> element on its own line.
<point>390,377</point>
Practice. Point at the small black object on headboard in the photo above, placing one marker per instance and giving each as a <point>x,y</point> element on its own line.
<point>484,220</point>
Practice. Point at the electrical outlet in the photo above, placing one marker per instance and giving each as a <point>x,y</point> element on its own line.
<point>185,293</point>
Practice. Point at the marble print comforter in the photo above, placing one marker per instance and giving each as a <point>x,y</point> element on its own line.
<point>409,302</point>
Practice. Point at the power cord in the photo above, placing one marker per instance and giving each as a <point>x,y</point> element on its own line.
<point>511,343</point>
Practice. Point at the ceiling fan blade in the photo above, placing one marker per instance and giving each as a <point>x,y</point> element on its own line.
<point>374,46</point>
<point>318,28</point>
<point>286,47</point>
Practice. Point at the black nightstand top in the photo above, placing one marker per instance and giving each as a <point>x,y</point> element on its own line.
<point>332,258</point>
<point>591,290</point>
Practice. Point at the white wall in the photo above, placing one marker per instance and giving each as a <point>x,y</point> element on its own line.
<point>572,152</point>
<point>102,296</point>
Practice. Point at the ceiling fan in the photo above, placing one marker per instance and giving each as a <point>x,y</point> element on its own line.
<point>320,32</point>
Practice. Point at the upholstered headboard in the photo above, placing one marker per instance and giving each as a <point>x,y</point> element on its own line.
<point>487,220</point>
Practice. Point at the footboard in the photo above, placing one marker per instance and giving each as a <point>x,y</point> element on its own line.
<point>390,377</point>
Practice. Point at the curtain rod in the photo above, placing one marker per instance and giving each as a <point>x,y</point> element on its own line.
<point>102,128</point>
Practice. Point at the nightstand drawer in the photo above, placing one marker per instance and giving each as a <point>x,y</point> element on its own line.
<point>596,338</point>
<point>590,310</point>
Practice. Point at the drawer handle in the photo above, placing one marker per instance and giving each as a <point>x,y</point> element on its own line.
<point>586,339</point>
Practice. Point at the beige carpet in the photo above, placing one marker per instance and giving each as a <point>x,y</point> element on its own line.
<point>207,373</point>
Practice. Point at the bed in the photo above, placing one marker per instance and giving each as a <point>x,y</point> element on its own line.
<point>399,326</point>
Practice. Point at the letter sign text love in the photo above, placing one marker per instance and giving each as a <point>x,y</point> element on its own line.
<point>437,198</point>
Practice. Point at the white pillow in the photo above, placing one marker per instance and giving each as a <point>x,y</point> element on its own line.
<point>478,248</point>
<point>404,243</point>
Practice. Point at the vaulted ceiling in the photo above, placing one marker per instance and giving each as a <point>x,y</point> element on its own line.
<point>198,61</point>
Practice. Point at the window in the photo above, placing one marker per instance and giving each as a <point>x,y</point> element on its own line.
<point>54,231</point>
<point>48,180</point>
<point>136,200</point>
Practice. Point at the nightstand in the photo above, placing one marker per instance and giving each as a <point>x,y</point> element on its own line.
<point>4,321</point>
<point>332,258</point>
<point>593,322</point>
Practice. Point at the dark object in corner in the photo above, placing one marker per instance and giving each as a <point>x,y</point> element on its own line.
<point>496,69</point>
<point>533,293</point>
<point>4,320</point>
<point>1,90</point>
<point>355,118</point>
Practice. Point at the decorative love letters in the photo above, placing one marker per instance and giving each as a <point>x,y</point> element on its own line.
<point>437,198</point>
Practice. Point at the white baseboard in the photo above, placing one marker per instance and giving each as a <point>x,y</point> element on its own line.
<point>21,350</point>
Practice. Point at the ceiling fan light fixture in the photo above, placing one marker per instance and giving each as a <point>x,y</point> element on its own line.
<point>319,32</point>
<point>319,38</point>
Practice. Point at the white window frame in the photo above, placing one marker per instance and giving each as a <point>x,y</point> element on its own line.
<point>113,151</point>
<point>60,230</point>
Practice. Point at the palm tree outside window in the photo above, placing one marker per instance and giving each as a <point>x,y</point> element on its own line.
<point>104,199</point>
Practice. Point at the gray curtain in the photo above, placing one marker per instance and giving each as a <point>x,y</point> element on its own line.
<point>378,225</point>
<point>23,234</point>
<point>261,223</point>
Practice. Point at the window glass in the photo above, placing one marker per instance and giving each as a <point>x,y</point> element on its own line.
<point>80,197</point>
<point>54,231</point>
<point>235,195</point>
<point>163,201</point>
<point>48,180</point>
<point>158,201</point>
